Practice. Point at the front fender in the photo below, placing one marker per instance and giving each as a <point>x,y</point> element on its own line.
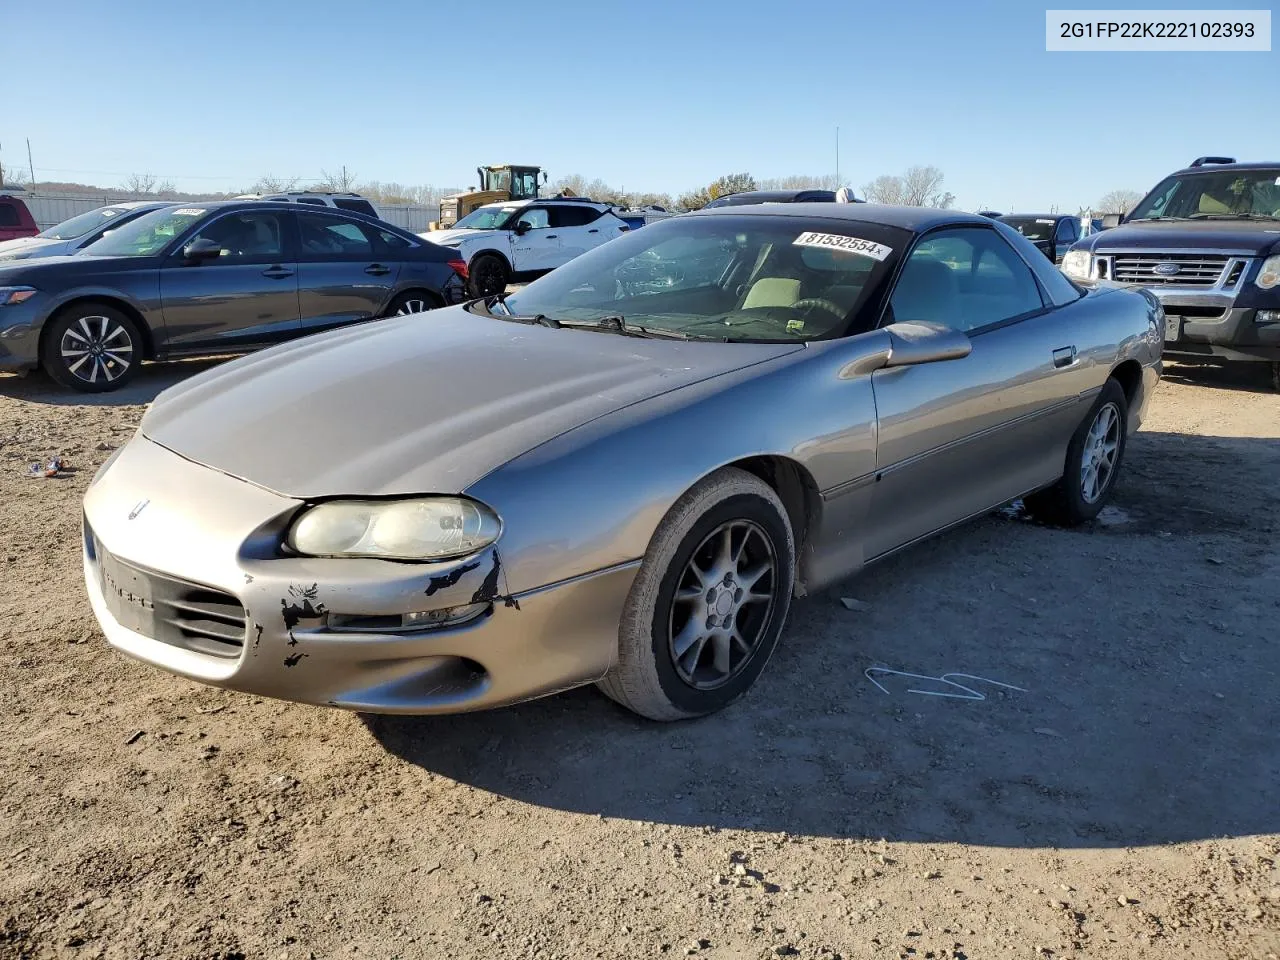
<point>593,497</point>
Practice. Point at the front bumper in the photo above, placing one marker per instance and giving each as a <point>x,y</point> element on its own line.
<point>167,571</point>
<point>20,335</point>
<point>1234,335</point>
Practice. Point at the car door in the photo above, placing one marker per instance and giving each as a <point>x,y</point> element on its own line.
<point>343,274</point>
<point>247,296</point>
<point>1067,233</point>
<point>535,243</point>
<point>958,437</point>
<point>579,228</point>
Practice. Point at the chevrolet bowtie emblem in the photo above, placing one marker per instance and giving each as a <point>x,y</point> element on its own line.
<point>138,508</point>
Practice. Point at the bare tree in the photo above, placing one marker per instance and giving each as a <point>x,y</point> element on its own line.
<point>341,182</point>
<point>1119,201</point>
<point>140,182</point>
<point>802,181</point>
<point>273,184</point>
<point>883,189</point>
<point>922,187</point>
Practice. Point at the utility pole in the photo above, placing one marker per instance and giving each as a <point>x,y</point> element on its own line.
<point>31,166</point>
<point>1,166</point>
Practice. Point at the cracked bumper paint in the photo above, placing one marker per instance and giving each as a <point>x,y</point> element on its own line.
<point>167,571</point>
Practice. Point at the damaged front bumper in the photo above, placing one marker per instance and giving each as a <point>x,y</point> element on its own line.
<point>194,582</point>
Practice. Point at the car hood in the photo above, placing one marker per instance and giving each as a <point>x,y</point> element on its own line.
<point>25,247</point>
<point>456,236</point>
<point>427,403</point>
<point>65,267</point>
<point>1252,236</point>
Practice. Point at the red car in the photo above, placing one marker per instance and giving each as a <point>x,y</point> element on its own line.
<point>15,219</point>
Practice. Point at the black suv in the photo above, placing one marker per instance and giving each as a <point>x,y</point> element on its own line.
<point>1206,242</point>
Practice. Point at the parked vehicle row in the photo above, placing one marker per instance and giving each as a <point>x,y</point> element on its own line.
<point>210,279</point>
<point>584,482</point>
<point>77,233</point>
<point>1206,242</point>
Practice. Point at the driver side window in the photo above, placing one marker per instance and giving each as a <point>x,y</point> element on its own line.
<point>534,217</point>
<point>245,237</point>
<point>967,278</point>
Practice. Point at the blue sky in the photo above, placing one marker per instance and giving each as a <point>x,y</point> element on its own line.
<point>656,95</point>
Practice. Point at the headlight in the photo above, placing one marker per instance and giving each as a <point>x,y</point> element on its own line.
<point>1077,264</point>
<point>1269,275</point>
<point>9,296</point>
<point>433,528</point>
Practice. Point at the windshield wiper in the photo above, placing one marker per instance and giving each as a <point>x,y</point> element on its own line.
<point>1138,219</point>
<point>1233,216</point>
<point>615,323</point>
<point>488,303</point>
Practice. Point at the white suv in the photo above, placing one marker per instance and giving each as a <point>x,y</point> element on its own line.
<point>519,239</point>
<point>351,202</point>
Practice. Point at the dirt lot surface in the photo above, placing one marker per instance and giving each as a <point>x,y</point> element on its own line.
<point>1118,798</point>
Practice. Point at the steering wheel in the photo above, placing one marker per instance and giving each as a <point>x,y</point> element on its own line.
<point>810,303</point>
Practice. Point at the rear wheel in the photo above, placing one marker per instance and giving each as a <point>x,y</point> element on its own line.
<point>412,301</point>
<point>1092,464</point>
<point>1275,377</point>
<point>708,605</point>
<point>92,348</point>
<point>489,275</point>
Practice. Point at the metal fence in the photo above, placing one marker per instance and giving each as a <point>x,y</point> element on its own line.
<point>50,209</point>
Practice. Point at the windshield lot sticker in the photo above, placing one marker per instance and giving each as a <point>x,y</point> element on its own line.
<point>188,212</point>
<point>836,241</point>
<point>1038,220</point>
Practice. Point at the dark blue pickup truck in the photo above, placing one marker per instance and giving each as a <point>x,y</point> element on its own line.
<point>1206,242</point>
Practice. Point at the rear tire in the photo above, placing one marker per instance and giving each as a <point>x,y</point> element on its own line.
<point>411,301</point>
<point>92,348</point>
<point>488,275</point>
<point>709,603</point>
<point>1275,377</point>
<point>1093,463</point>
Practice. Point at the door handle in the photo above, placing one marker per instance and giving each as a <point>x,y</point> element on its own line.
<point>277,272</point>
<point>377,270</point>
<point>550,236</point>
<point>593,230</point>
<point>1064,356</point>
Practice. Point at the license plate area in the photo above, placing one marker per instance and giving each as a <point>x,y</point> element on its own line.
<point>127,593</point>
<point>1172,327</point>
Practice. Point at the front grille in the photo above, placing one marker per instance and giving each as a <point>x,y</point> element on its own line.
<point>1194,269</point>
<point>166,609</point>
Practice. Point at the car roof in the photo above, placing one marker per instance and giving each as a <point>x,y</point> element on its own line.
<point>531,201</point>
<point>916,219</point>
<point>135,204</point>
<point>1036,216</point>
<point>1213,167</point>
<point>777,195</point>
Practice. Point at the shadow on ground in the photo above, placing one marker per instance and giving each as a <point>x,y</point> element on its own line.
<point>151,379</point>
<point>1146,651</point>
<point>1254,377</point>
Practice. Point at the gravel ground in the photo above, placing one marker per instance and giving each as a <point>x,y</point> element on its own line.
<point>1115,798</point>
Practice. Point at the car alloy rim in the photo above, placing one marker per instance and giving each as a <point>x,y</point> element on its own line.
<point>97,350</point>
<point>723,603</point>
<point>489,279</point>
<point>411,306</point>
<point>1098,463</point>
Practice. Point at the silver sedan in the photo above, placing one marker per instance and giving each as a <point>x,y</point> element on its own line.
<point>621,474</point>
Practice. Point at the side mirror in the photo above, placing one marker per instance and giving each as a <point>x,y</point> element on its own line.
<point>919,341</point>
<point>201,250</point>
<point>522,227</point>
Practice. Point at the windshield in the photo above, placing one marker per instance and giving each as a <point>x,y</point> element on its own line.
<point>147,235</point>
<point>486,218</point>
<point>742,277</point>
<point>1224,193</point>
<point>86,223</point>
<point>1033,228</point>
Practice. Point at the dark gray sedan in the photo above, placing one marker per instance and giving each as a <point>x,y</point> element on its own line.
<point>211,278</point>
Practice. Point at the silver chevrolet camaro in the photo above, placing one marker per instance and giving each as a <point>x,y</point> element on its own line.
<point>621,474</point>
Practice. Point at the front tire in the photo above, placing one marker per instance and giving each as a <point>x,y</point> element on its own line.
<point>92,348</point>
<point>488,275</point>
<point>708,605</point>
<point>1092,465</point>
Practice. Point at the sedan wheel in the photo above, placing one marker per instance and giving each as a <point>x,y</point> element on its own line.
<point>92,349</point>
<point>1092,464</point>
<point>709,602</point>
